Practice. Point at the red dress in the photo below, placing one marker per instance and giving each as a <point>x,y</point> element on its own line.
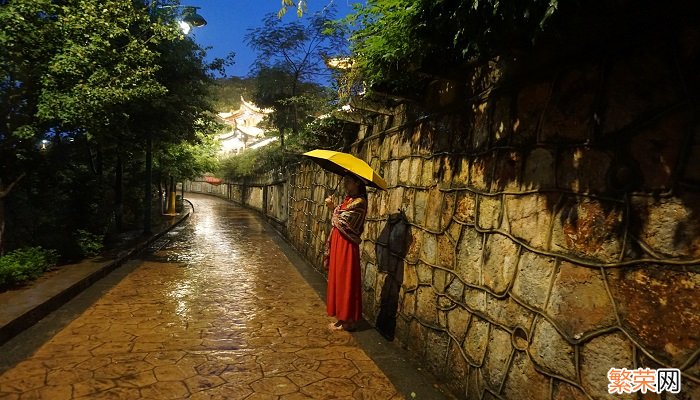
<point>344,294</point>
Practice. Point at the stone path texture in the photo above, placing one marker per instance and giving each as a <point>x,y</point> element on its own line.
<point>217,313</point>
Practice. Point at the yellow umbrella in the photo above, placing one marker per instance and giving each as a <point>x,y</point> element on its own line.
<point>342,163</point>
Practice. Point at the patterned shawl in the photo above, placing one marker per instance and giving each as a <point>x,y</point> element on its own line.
<point>349,219</point>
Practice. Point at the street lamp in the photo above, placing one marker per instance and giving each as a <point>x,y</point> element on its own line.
<point>189,18</point>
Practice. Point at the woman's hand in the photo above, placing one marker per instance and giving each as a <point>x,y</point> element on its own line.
<point>329,203</point>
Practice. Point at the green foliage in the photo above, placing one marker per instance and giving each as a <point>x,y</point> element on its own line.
<point>25,264</point>
<point>105,60</point>
<point>189,160</point>
<point>326,132</point>
<point>90,244</point>
<point>395,40</point>
<point>226,93</point>
<point>94,78</point>
<point>290,59</point>
<point>251,163</point>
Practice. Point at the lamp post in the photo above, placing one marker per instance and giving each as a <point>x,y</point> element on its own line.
<point>189,19</point>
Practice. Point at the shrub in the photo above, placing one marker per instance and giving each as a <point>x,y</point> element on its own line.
<point>90,244</point>
<point>25,264</point>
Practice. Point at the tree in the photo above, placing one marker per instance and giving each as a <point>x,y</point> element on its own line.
<point>90,80</point>
<point>26,46</point>
<point>290,58</point>
<point>394,41</point>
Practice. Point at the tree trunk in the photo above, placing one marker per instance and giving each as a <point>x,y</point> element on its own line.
<point>119,194</point>
<point>4,191</point>
<point>2,225</point>
<point>295,106</point>
<point>148,194</point>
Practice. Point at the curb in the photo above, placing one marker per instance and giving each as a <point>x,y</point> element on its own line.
<point>40,310</point>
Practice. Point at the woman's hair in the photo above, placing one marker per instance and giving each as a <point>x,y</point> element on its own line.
<point>362,192</point>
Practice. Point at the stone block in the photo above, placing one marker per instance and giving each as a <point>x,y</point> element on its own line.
<point>502,119</point>
<point>551,352</point>
<point>416,338</point>
<point>393,141</point>
<point>460,176</point>
<point>489,215</point>
<point>444,168</point>
<point>533,279</point>
<point>455,289</point>
<point>405,149</point>
<point>425,274</point>
<point>404,171</point>
<point>428,177</point>
<point>507,312</point>
<point>408,305</point>
<point>466,207</point>
<point>445,252</point>
<point>579,302</point>
<point>415,171</point>
<point>408,203</point>
<point>655,306</point>
<point>436,351</point>
<point>500,262</point>
<point>480,131</point>
<point>531,103</point>
<point>539,170</point>
<point>433,212</point>
<point>475,299</point>
<point>588,229</point>
<point>476,341</point>
<point>566,391</point>
<point>481,172</point>
<point>475,384</point>
<point>440,280</point>
<point>669,226</point>
<point>509,167</point>
<point>429,248</point>
<point>448,210</point>
<point>415,245</point>
<point>529,217</point>
<point>568,116</point>
<point>454,230</point>
<point>370,276</point>
<point>524,382</point>
<point>395,200</point>
<point>497,355</point>
<point>457,322</point>
<point>457,369</point>
<point>583,170</point>
<point>420,206</point>
<point>426,305</point>
<point>469,253</point>
<point>597,357</point>
<point>392,178</point>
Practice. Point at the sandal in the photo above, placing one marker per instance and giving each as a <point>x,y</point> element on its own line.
<point>336,326</point>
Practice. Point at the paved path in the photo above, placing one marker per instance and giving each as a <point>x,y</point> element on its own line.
<point>218,313</point>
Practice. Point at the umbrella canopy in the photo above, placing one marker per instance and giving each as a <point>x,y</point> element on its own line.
<point>342,163</point>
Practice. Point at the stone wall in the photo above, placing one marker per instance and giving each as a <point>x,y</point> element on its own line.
<point>536,237</point>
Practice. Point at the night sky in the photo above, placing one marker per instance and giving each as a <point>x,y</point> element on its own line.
<point>228,20</point>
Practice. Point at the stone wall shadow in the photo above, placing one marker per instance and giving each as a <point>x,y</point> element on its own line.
<point>391,248</point>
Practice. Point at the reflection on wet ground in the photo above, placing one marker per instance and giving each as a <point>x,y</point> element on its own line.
<point>218,312</point>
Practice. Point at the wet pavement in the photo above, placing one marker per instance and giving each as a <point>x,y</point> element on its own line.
<point>218,312</point>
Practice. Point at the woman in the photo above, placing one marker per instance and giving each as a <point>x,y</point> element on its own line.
<point>342,257</point>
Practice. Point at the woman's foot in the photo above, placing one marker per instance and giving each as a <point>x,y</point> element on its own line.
<point>349,326</point>
<point>337,326</point>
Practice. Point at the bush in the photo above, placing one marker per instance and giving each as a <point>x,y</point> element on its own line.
<point>25,264</point>
<point>90,244</point>
<point>251,162</point>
